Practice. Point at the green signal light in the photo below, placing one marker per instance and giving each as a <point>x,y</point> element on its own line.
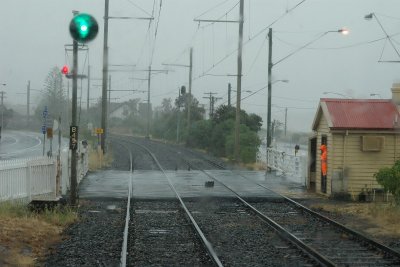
<point>83,28</point>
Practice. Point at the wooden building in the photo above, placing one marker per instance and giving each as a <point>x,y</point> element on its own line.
<point>361,135</point>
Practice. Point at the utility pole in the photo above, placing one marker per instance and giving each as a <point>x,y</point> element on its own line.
<point>148,105</point>
<point>105,74</point>
<point>239,72</point>
<point>178,117</point>
<point>28,96</point>
<point>88,89</point>
<point>229,94</point>
<point>68,121</point>
<point>269,87</point>
<point>210,97</point>
<point>190,91</point>
<point>239,83</point>
<point>190,66</point>
<point>109,90</point>
<point>109,97</point>
<point>285,120</point>
<point>2,109</point>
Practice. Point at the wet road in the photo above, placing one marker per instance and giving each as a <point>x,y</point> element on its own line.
<point>153,185</point>
<point>19,144</point>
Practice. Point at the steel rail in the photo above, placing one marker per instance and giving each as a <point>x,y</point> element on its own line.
<point>213,255</point>
<point>385,249</point>
<point>318,257</point>
<point>321,259</point>
<point>127,217</point>
<point>359,235</point>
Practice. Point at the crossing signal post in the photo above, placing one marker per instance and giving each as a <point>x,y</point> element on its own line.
<point>83,28</point>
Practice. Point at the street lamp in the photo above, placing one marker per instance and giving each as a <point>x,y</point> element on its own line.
<point>270,65</point>
<point>334,93</point>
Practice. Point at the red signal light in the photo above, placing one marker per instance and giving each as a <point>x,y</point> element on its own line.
<point>65,69</point>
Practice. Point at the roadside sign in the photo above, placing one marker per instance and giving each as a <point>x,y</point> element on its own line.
<point>99,131</point>
<point>73,137</point>
<point>43,129</point>
<point>45,112</point>
<point>49,133</point>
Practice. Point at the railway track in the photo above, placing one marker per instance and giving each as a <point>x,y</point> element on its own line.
<point>310,238</point>
<point>239,237</point>
<point>325,238</point>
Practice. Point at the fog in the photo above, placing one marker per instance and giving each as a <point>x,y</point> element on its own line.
<point>34,33</point>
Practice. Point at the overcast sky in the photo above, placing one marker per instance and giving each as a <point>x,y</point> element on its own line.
<point>34,33</point>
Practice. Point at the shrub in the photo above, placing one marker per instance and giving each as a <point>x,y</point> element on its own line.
<point>389,178</point>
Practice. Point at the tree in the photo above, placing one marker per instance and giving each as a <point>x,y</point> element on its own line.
<point>389,178</point>
<point>54,97</point>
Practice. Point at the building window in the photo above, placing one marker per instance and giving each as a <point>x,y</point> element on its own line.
<point>372,143</point>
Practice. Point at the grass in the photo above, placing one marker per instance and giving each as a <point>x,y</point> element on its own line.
<point>59,215</point>
<point>26,234</point>
<point>382,216</point>
<point>97,160</point>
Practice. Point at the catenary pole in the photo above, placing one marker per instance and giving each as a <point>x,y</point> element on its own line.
<point>88,89</point>
<point>148,105</point>
<point>190,92</point>
<point>28,100</point>
<point>269,87</point>
<point>105,74</point>
<point>239,84</point>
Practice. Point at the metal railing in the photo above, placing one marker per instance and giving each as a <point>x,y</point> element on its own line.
<point>284,163</point>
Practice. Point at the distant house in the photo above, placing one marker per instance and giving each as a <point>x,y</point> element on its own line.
<point>119,110</point>
<point>362,136</point>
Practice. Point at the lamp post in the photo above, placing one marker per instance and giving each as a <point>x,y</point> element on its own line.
<point>270,65</point>
<point>334,93</point>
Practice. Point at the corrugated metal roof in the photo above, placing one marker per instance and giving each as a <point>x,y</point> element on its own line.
<point>361,113</point>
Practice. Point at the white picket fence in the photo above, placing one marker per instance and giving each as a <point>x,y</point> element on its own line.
<point>27,178</point>
<point>36,178</point>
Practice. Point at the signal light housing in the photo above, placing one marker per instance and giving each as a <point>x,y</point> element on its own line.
<point>83,28</point>
<point>65,69</point>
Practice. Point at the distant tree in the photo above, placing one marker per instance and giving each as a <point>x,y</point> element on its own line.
<point>7,115</point>
<point>200,134</point>
<point>249,143</point>
<point>225,112</point>
<point>54,96</point>
<point>389,178</point>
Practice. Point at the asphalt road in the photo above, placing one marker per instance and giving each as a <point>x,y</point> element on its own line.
<point>20,144</point>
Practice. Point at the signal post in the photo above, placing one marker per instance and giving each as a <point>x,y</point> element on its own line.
<point>83,28</point>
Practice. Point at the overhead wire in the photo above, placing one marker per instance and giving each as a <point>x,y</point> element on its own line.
<point>249,40</point>
<point>138,7</point>
<point>212,8</point>
<point>339,47</point>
